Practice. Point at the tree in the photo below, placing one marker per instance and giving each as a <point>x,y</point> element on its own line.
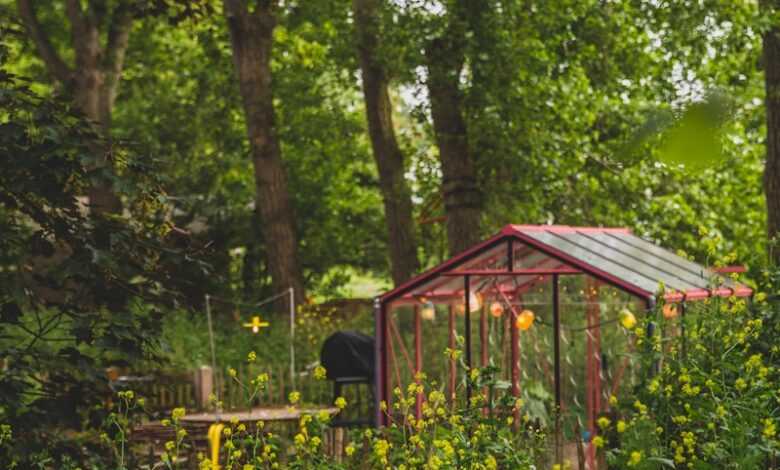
<point>445,59</point>
<point>94,78</point>
<point>251,37</point>
<point>109,296</point>
<point>771,43</point>
<point>387,154</point>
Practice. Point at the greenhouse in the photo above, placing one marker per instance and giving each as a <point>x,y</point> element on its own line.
<point>548,306</point>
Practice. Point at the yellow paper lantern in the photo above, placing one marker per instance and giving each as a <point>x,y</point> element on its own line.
<point>496,309</point>
<point>670,311</point>
<point>627,319</point>
<point>525,320</point>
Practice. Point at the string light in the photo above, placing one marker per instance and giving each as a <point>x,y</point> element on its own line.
<point>670,311</point>
<point>428,311</point>
<point>496,309</point>
<point>525,320</point>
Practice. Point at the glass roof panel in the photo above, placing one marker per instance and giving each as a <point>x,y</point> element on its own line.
<point>673,262</point>
<point>641,262</point>
<point>595,260</point>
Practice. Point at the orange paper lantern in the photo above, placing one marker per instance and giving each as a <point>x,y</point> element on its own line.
<point>670,311</point>
<point>525,320</point>
<point>496,309</point>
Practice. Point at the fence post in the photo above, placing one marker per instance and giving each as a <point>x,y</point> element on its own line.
<point>204,386</point>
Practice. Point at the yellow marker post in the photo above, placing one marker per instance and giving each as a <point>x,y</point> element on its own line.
<point>256,324</point>
<point>215,432</point>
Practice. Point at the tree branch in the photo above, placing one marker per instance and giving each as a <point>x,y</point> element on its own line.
<point>58,69</point>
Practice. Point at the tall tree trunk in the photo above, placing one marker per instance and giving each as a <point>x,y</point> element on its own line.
<point>771,42</point>
<point>389,159</point>
<point>462,196</point>
<point>94,79</point>
<point>251,36</point>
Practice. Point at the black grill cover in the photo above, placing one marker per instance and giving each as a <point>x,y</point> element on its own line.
<point>348,354</point>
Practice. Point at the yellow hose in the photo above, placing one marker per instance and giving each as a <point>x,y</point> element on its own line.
<point>215,432</point>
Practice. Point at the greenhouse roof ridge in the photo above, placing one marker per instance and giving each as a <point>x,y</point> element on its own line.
<point>613,255</point>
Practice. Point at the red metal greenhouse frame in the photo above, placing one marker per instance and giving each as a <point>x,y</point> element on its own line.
<point>519,256</point>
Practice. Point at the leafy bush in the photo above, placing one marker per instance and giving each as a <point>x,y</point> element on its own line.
<point>713,402</point>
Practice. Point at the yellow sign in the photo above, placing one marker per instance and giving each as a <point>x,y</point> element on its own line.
<point>256,324</point>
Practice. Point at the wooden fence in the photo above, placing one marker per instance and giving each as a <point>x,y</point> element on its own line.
<point>197,389</point>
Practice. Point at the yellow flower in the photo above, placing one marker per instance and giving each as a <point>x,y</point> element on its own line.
<point>598,442</point>
<point>603,422</point>
<point>251,357</point>
<point>769,429</point>
<point>178,413</point>
<point>381,447</point>
<point>613,400</point>
<point>635,458</point>
<point>627,319</point>
<point>232,372</point>
<point>323,416</point>
<point>621,426</point>
<point>340,403</point>
<point>300,439</point>
<point>294,397</point>
<point>320,373</point>
<point>740,384</point>
<point>350,449</point>
<point>170,445</point>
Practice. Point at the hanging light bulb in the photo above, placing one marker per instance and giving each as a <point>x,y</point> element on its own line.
<point>627,319</point>
<point>496,309</point>
<point>428,311</point>
<point>670,311</point>
<point>475,302</point>
<point>525,320</point>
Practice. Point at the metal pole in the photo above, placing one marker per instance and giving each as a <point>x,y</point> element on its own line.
<point>557,359</point>
<point>379,372</point>
<point>682,328</point>
<point>292,337</point>
<point>467,333</point>
<point>453,370</point>
<point>213,353</point>
<point>510,255</point>
<point>515,353</point>
<point>417,358</point>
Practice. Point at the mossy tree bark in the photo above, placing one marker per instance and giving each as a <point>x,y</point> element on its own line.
<point>94,78</point>
<point>771,43</point>
<point>387,154</point>
<point>445,58</point>
<point>251,37</point>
